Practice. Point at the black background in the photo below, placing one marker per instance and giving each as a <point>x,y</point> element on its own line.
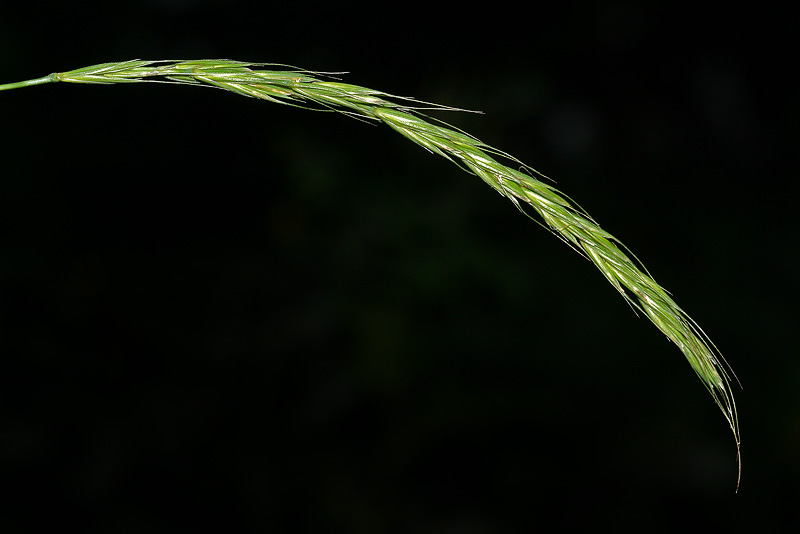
<point>223,314</point>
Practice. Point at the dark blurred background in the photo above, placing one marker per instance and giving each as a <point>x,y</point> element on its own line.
<point>221,314</point>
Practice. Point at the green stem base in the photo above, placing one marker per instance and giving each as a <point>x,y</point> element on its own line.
<point>38,81</point>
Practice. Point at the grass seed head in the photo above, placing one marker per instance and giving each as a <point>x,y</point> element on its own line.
<point>315,90</point>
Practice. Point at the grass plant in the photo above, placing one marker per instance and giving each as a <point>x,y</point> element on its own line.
<point>521,184</point>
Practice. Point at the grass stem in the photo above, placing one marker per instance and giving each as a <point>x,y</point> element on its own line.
<point>27,83</point>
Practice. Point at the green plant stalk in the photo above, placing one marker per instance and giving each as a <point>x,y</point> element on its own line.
<point>522,185</point>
